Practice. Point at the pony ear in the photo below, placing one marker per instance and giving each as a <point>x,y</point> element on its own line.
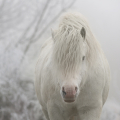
<point>83,32</point>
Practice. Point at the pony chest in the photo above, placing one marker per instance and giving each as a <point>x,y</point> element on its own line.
<point>89,98</point>
<point>69,111</point>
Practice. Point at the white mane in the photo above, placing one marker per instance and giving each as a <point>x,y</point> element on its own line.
<point>68,43</point>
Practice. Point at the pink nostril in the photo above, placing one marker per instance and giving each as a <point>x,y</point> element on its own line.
<point>76,89</point>
<point>62,88</point>
<point>63,91</point>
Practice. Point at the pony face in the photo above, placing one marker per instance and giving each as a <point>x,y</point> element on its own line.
<point>69,57</point>
<point>71,85</point>
<point>70,89</point>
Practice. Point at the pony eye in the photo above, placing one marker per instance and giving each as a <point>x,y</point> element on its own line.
<point>83,58</point>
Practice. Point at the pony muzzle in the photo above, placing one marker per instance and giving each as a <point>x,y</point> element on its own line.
<point>69,94</point>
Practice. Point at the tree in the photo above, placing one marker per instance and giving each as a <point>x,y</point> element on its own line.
<point>22,23</point>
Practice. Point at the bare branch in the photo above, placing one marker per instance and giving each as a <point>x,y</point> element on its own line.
<point>31,25</point>
<point>27,47</point>
<point>34,40</point>
<point>2,5</point>
<point>40,18</point>
<point>27,30</point>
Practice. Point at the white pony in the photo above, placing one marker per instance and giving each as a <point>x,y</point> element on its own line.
<point>72,74</point>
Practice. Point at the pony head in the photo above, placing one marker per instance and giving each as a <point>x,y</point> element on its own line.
<point>69,56</point>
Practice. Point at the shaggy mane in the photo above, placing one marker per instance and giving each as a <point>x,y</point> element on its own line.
<point>68,43</point>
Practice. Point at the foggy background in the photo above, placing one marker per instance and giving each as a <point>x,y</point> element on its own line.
<point>25,25</point>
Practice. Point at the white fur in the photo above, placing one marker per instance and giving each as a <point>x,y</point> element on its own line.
<point>61,63</point>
